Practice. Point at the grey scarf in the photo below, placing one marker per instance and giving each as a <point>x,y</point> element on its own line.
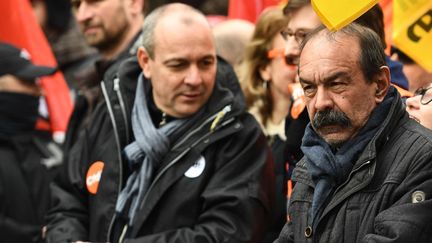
<point>150,146</point>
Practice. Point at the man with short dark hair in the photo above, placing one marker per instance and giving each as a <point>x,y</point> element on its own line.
<point>195,166</point>
<point>366,175</point>
<point>28,156</point>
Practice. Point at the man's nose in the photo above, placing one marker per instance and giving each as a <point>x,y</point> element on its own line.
<point>193,76</point>
<point>323,100</point>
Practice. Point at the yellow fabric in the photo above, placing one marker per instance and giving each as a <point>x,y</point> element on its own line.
<point>412,30</point>
<point>335,14</point>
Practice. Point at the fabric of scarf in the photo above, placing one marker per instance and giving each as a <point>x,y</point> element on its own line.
<point>328,169</point>
<point>18,113</point>
<point>150,146</point>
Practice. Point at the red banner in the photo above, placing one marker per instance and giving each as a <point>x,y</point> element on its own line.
<point>248,9</point>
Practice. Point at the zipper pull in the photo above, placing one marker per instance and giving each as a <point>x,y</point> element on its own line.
<point>116,84</point>
<point>219,117</point>
<point>123,234</point>
<point>163,119</point>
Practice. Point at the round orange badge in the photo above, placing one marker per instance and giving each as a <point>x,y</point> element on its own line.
<point>93,176</point>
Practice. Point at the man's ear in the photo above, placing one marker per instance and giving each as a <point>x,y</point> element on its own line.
<point>382,81</point>
<point>144,62</point>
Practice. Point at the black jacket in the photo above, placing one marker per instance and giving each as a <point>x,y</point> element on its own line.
<point>230,201</point>
<point>28,163</point>
<point>382,199</point>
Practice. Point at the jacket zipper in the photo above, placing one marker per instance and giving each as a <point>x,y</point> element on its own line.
<point>122,105</point>
<point>111,114</point>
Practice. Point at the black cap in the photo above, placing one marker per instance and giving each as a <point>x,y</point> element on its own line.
<point>17,62</point>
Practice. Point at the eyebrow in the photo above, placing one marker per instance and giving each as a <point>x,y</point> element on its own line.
<point>335,76</point>
<point>326,79</point>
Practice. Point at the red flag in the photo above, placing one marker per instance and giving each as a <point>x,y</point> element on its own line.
<point>20,28</point>
<point>248,9</point>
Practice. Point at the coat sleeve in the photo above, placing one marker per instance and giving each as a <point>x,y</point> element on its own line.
<point>67,219</point>
<point>239,196</point>
<point>409,218</point>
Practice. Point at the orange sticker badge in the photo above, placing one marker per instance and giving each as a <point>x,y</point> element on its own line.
<point>93,176</point>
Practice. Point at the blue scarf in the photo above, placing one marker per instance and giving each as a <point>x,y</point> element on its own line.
<point>328,169</point>
<point>150,146</point>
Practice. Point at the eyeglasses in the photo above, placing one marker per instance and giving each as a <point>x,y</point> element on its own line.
<point>276,52</point>
<point>299,35</point>
<point>426,95</point>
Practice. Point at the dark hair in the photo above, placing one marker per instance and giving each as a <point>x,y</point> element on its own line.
<point>294,5</point>
<point>374,19</point>
<point>59,14</point>
<point>372,56</point>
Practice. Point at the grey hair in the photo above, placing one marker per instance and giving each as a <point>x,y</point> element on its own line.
<point>151,20</point>
<point>372,55</point>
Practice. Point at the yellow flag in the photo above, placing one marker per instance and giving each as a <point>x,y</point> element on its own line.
<point>412,30</point>
<point>335,14</point>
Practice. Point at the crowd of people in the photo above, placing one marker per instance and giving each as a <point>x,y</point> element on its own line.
<point>182,131</point>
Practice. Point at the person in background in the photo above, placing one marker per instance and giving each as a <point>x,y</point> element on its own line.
<point>419,106</point>
<point>418,77</point>
<point>266,79</point>
<point>113,27</point>
<point>231,37</point>
<point>29,158</point>
<point>196,167</point>
<point>366,174</point>
<point>302,20</point>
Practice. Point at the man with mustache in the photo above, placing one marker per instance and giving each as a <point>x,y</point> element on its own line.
<point>366,174</point>
<point>195,167</point>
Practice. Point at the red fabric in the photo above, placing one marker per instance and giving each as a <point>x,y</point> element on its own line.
<point>387,7</point>
<point>248,9</point>
<point>19,27</point>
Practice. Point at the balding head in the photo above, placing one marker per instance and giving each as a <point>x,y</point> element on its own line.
<point>166,18</point>
<point>231,38</point>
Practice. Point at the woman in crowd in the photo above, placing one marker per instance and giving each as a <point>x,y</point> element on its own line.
<point>265,77</point>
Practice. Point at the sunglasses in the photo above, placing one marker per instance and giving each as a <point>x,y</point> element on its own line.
<point>277,52</point>
<point>426,95</point>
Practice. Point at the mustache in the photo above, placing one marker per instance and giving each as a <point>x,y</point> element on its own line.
<point>330,117</point>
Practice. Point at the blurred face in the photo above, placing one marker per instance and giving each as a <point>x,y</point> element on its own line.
<point>302,21</point>
<point>338,98</point>
<point>104,23</point>
<point>39,9</point>
<point>419,106</point>
<point>9,83</point>
<point>183,70</point>
<point>278,72</point>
